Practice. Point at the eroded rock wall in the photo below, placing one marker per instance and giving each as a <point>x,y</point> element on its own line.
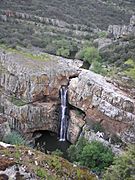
<point>29,95</point>
<point>104,103</point>
<point>76,122</point>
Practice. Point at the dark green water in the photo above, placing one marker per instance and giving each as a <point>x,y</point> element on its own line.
<point>50,142</point>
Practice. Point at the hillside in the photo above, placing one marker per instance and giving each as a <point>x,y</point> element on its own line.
<point>67,78</point>
<point>62,28</point>
<point>99,13</point>
<point>18,162</point>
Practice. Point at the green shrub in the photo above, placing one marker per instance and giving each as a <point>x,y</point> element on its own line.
<point>102,34</point>
<point>17,154</point>
<point>123,167</point>
<point>63,52</point>
<point>75,150</point>
<point>57,152</point>
<point>65,47</point>
<point>97,68</point>
<point>96,156</point>
<point>97,127</point>
<point>55,162</point>
<point>89,54</point>
<point>14,138</point>
<point>93,155</point>
<point>17,102</point>
<point>72,153</point>
<point>131,70</point>
<point>41,173</point>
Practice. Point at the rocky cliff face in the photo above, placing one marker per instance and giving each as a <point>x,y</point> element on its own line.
<point>29,97</point>
<point>30,90</point>
<point>104,103</point>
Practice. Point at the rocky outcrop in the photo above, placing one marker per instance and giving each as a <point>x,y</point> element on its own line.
<point>15,171</point>
<point>32,117</point>
<point>104,103</point>
<point>103,42</point>
<point>29,96</point>
<point>30,89</point>
<point>32,80</point>
<point>4,127</point>
<point>89,134</point>
<point>118,31</point>
<point>60,25</point>
<point>76,122</point>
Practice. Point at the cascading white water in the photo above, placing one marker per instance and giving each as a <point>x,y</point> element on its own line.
<point>63,114</point>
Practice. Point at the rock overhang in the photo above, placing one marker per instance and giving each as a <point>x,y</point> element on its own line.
<point>30,90</point>
<point>104,103</point>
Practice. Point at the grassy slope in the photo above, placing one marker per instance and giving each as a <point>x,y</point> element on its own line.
<point>50,166</point>
<point>93,13</point>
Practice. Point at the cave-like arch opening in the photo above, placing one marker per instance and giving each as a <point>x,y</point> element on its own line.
<point>48,141</point>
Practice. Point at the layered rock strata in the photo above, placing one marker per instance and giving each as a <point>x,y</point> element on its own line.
<point>29,94</point>
<point>104,103</point>
<point>29,97</point>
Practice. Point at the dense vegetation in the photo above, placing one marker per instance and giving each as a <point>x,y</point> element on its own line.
<point>93,155</point>
<point>123,167</point>
<point>119,51</point>
<point>56,37</point>
<point>101,160</point>
<point>28,36</point>
<point>66,38</point>
<point>14,138</point>
<point>120,55</point>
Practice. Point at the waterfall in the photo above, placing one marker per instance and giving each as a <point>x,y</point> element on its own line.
<point>63,114</point>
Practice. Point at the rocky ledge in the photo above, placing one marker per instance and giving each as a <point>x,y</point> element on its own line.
<point>104,103</point>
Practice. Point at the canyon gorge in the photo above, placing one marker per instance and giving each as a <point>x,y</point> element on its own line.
<point>29,98</point>
<point>67,90</point>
